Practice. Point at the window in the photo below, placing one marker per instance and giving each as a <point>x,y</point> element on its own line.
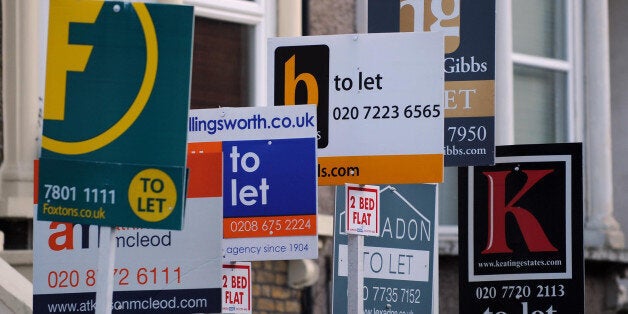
<point>229,62</point>
<point>544,55</point>
<point>220,64</point>
<point>544,66</point>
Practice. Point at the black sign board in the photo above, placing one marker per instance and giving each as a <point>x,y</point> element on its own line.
<point>468,28</point>
<point>520,235</point>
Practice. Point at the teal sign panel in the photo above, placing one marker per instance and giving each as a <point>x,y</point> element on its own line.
<point>399,264</point>
<point>115,113</point>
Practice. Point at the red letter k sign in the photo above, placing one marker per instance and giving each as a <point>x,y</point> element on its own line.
<point>533,233</point>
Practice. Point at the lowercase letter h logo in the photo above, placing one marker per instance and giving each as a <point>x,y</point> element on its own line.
<point>291,84</point>
<point>302,77</point>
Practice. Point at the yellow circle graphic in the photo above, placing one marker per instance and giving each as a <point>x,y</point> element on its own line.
<point>103,139</point>
<point>152,195</point>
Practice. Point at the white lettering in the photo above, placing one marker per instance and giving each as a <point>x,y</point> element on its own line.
<point>407,229</point>
<point>389,263</point>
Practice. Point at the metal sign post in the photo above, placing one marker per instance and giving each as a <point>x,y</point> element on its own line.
<point>362,208</point>
<point>355,295</point>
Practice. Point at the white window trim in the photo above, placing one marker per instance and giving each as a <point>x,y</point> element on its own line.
<point>237,11</point>
<point>504,111</point>
<point>541,62</point>
<point>576,115</point>
<point>506,58</point>
<point>571,66</point>
<point>261,16</point>
<point>587,58</point>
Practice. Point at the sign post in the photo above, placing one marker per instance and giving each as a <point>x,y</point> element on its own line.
<point>106,258</point>
<point>355,277</point>
<point>362,208</point>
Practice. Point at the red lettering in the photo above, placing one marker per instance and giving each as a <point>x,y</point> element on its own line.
<point>239,282</point>
<point>533,233</point>
<point>67,235</point>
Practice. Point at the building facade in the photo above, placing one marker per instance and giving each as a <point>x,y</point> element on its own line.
<point>560,76</point>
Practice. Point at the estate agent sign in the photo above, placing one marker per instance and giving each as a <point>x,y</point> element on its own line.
<point>521,232</point>
<point>115,114</point>
<point>401,264</point>
<point>378,99</point>
<point>468,28</point>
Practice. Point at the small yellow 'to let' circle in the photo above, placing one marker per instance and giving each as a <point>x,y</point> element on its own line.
<point>152,195</point>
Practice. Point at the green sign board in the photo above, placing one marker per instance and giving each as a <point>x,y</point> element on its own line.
<point>115,114</point>
<point>400,264</point>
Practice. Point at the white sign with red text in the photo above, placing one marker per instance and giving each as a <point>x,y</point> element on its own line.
<point>155,271</point>
<point>362,209</point>
<point>236,288</point>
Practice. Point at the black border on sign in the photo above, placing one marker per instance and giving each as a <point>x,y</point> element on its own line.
<point>570,279</point>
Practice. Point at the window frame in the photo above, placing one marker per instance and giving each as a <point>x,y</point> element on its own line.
<point>571,66</point>
<point>506,59</point>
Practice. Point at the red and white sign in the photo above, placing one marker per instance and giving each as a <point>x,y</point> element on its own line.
<point>236,288</point>
<point>362,209</point>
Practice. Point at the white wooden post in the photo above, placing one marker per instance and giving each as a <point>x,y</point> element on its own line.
<point>104,275</point>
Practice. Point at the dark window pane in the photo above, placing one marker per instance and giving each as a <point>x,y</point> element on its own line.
<point>17,233</point>
<point>220,65</point>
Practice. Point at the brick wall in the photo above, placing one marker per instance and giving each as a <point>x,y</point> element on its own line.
<point>271,293</point>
